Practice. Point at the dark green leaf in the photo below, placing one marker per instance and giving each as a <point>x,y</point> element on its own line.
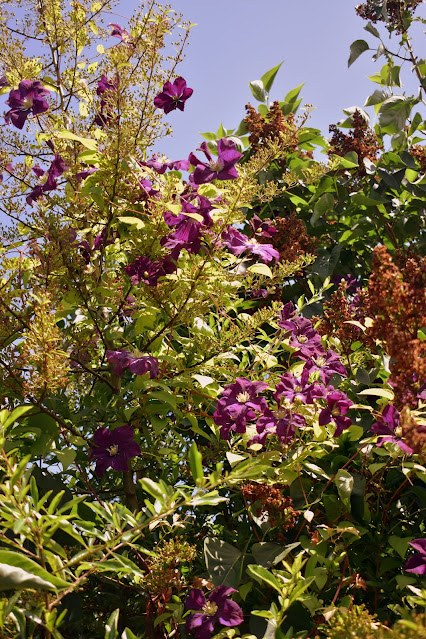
<point>223,561</point>
<point>357,48</point>
<point>269,77</point>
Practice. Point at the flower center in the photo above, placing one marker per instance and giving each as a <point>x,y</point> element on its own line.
<point>210,608</point>
<point>113,450</point>
<point>398,431</point>
<point>302,339</point>
<point>243,397</point>
<point>280,413</point>
<point>146,274</point>
<point>27,103</point>
<point>216,165</point>
<point>335,411</point>
<point>320,361</point>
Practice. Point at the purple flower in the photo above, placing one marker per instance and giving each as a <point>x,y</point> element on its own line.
<point>28,98</point>
<point>105,239</point>
<point>105,88</point>
<point>119,32</point>
<point>138,365</point>
<point>338,406</point>
<point>82,175</point>
<point>238,404</point>
<point>114,448</point>
<point>303,337</point>
<point>3,82</point>
<point>281,422</point>
<point>326,364</point>
<point>388,425</point>
<point>239,243</point>
<point>417,563</point>
<point>218,607</point>
<point>148,272</point>
<point>351,281</point>
<point>173,96</point>
<point>188,227</point>
<point>292,388</point>
<point>57,168</point>
<point>162,167</point>
<point>220,168</point>
<point>262,228</point>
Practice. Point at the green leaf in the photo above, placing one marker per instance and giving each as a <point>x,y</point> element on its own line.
<point>377,97</point>
<point>344,483</point>
<point>152,488</point>
<point>18,572</point>
<point>11,418</point>
<point>269,77</point>
<point>132,221</point>
<point>128,634</point>
<point>111,631</point>
<point>292,95</point>
<point>66,457</point>
<point>87,142</point>
<point>208,499</point>
<point>324,205</point>
<point>258,90</point>
<point>262,575</point>
<point>223,561</point>
<point>195,462</point>
<point>267,554</point>
<point>357,48</point>
<point>372,30</point>
<point>379,392</point>
<point>260,269</point>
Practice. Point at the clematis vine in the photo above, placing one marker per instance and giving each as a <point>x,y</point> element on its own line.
<point>338,405</point>
<point>220,168</point>
<point>137,364</point>
<point>56,169</point>
<point>388,427</point>
<point>239,243</point>
<point>217,607</point>
<point>114,448</point>
<point>173,96</point>
<point>28,98</point>
<point>120,33</point>
<point>148,272</point>
<point>162,167</point>
<point>239,403</point>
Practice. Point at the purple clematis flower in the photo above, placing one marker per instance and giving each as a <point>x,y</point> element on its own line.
<point>217,607</point>
<point>220,168</point>
<point>338,405</point>
<point>162,167</point>
<point>138,365</point>
<point>188,231</point>
<point>238,404</point>
<point>148,272</point>
<point>388,425</point>
<point>239,243</point>
<point>173,96</point>
<point>261,227</point>
<point>417,563</point>
<point>28,98</point>
<point>105,88</point>
<point>282,422</point>
<point>57,168</point>
<point>326,364</point>
<point>119,32</point>
<point>293,388</point>
<point>114,448</point>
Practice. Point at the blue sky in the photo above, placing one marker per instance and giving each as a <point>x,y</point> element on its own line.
<point>236,41</point>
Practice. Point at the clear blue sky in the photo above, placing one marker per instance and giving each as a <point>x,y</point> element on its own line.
<point>236,41</point>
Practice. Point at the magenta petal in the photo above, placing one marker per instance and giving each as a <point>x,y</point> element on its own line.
<point>195,600</point>
<point>416,565</point>
<point>419,545</point>
<point>230,614</point>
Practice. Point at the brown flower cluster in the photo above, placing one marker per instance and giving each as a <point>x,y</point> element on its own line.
<point>418,153</point>
<point>292,240</point>
<point>274,126</point>
<point>360,139</point>
<point>396,302</point>
<point>397,10</point>
<point>336,315</point>
<point>271,503</point>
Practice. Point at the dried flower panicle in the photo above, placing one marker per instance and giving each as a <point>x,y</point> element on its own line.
<point>418,151</point>
<point>361,139</point>
<point>396,302</point>
<point>413,433</point>
<point>292,240</point>
<point>274,126</point>
<point>271,504</point>
<point>397,12</point>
